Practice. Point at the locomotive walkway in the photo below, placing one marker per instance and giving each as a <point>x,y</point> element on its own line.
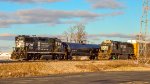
<point>86,78</point>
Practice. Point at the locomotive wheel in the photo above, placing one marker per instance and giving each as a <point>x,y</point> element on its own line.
<point>54,57</point>
<point>114,57</point>
<point>28,56</point>
<point>133,57</point>
<point>59,57</point>
<point>92,57</point>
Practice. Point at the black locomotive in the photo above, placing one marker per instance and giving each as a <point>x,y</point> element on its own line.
<point>36,48</point>
<point>116,50</point>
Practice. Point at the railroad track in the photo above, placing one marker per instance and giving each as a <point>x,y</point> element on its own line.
<point>33,61</point>
<point>14,61</point>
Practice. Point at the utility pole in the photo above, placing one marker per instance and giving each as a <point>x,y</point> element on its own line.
<point>143,36</point>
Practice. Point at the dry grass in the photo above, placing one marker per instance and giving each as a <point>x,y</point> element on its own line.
<point>27,69</point>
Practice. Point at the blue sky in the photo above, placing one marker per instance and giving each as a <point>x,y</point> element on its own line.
<point>104,19</point>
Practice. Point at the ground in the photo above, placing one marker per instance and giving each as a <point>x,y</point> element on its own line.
<point>14,69</point>
<point>85,78</point>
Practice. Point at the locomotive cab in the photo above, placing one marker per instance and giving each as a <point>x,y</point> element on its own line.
<point>19,49</point>
<point>105,50</point>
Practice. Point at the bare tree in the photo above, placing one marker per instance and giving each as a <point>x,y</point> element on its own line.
<point>65,36</point>
<point>76,34</point>
<point>80,33</point>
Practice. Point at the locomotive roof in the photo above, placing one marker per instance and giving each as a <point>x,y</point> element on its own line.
<point>34,36</point>
<point>111,41</point>
<point>81,46</point>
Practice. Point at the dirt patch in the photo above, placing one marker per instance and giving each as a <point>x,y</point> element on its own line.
<point>27,69</point>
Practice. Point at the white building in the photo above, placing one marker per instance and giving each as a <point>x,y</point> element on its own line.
<point>5,56</point>
<point>132,41</point>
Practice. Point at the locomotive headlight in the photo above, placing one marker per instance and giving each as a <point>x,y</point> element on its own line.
<point>104,47</point>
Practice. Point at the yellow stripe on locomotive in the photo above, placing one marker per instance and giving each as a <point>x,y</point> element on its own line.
<point>136,47</point>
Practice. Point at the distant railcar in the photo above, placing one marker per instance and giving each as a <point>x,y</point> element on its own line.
<point>138,51</point>
<point>116,50</point>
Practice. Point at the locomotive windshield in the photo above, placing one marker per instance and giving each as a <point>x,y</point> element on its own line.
<point>58,46</point>
<point>20,42</point>
<point>106,45</point>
